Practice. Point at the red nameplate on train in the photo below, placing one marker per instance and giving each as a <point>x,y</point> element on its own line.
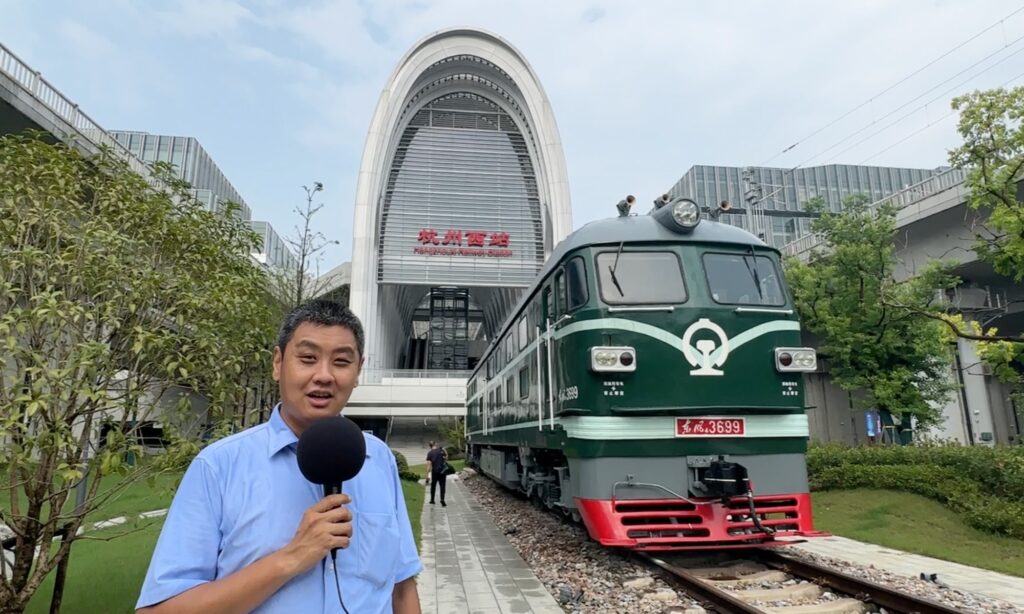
<point>711,427</point>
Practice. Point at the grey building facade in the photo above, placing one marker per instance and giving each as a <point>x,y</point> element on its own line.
<point>276,254</point>
<point>210,186</point>
<point>771,202</point>
<point>192,163</point>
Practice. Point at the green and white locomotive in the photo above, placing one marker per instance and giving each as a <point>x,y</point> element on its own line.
<point>649,383</point>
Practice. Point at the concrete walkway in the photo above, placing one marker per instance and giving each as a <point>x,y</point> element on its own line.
<point>971,579</point>
<point>469,565</point>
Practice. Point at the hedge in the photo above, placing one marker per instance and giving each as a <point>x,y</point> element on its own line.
<point>403,468</point>
<point>984,485</point>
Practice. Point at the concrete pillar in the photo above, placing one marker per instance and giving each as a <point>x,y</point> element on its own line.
<point>975,391</point>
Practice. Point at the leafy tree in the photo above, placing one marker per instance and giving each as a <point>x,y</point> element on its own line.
<point>992,127</point>
<point>120,302</point>
<point>846,294</point>
<point>452,432</point>
<point>993,155</point>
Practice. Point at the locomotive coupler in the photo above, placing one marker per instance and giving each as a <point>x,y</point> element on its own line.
<point>726,480</point>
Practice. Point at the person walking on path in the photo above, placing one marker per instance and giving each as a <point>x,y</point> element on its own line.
<point>438,458</point>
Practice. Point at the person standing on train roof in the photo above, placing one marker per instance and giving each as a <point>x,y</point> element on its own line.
<point>247,532</point>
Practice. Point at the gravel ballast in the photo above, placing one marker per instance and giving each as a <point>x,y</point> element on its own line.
<point>585,578</point>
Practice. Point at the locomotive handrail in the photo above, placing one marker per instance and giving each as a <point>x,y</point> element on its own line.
<point>787,312</point>
<point>642,308</point>
<point>631,483</point>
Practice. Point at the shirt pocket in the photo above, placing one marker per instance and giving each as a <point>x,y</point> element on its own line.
<point>376,546</point>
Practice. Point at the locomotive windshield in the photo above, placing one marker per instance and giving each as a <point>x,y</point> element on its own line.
<point>640,278</point>
<point>743,279</point>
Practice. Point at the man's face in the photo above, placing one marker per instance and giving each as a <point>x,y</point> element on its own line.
<point>316,373</point>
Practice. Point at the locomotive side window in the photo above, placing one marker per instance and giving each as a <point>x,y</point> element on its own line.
<point>640,278</point>
<point>560,292</point>
<point>743,279</point>
<point>576,276</point>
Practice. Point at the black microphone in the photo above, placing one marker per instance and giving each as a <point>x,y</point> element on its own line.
<point>331,451</point>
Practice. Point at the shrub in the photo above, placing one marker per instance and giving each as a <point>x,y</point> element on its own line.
<point>403,468</point>
<point>983,485</point>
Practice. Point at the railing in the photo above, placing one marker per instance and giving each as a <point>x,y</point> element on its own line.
<point>47,95</point>
<point>909,195</point>
<point>377,376</point>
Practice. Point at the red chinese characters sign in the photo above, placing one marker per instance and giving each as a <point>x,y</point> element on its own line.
<point>463,243</point>
<point>711,427</point>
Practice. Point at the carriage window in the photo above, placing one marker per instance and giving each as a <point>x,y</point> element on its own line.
<point>641,278</point>
<point>743,279</point>
<point>576,276</point>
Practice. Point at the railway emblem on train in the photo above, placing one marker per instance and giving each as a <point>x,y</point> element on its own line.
<point>705,355</point>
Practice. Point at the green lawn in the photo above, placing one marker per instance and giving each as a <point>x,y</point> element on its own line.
<point>103,576</point>
<point>132,500</point>
<point>415,494</point>
<point>914,524</point>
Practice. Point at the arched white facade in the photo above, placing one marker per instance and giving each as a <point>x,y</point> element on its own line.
<point>448,63</point>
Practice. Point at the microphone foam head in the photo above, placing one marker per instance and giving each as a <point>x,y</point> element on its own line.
<point>331,451</point>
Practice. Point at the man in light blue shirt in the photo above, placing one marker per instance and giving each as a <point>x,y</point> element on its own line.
<point>246,531</point>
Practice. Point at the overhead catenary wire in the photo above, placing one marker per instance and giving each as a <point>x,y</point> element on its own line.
<point>891,87</point>
<point>916,98</point>
<point>929,125</point>
<point>890,125</point>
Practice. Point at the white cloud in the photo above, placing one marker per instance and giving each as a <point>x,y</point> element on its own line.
<point>206,17</point>
<point>290,67</point>
<point>84,42</point>
<point>640,90</point>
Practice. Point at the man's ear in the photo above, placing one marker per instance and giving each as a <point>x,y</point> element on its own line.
<point>278,359</point>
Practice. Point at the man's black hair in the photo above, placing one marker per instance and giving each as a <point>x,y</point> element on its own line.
<point>323,313</point>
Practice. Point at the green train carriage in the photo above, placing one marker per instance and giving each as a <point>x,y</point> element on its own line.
<point>649,383</point>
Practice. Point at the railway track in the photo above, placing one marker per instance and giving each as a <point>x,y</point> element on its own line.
<point>764,582</point>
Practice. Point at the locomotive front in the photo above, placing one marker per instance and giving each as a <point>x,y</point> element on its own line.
<point>684,426</point>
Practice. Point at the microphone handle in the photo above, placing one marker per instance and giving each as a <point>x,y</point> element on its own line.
<point>333,489</point>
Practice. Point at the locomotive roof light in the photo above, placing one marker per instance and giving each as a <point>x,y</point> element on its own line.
<point>625,205</point>
<point>607,359</point>
<point>790,360</point>
<point>680,215</point>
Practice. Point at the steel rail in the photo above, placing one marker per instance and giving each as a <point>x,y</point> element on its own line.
<point>697,588</point>
<point>859,588</point>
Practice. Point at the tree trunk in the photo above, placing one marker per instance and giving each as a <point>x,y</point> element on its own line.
<point>62,572</point>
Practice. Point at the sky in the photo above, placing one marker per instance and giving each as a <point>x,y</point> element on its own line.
<point>281,93</point>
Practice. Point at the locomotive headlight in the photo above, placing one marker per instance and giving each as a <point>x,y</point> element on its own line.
<point>796,359</point>
<point>612,359</point>
<point>686,213</point>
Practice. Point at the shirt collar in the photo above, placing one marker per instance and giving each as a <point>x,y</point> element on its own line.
<point>281,435</point>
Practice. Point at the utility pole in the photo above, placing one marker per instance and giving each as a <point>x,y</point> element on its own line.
<point>753,194</point>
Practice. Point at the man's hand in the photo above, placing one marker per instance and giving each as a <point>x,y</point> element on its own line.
<point>324,526</point>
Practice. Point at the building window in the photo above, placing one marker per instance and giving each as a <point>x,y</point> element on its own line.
<point>524,382</point>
